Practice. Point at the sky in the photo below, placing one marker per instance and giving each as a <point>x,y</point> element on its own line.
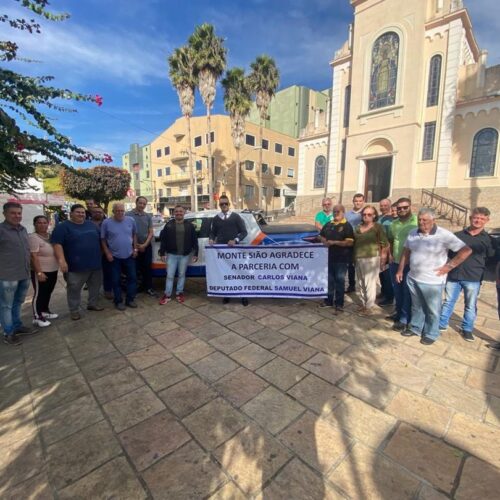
<point>119,49</point>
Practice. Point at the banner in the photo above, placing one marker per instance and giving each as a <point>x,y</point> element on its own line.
<point>275,271</point>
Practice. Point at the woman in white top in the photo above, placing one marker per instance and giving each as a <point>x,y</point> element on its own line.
<point>44,267</point>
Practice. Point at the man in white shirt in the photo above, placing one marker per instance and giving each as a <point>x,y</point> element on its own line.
<point>426,249</point>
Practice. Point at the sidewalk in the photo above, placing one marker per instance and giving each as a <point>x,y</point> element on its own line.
<point>278,400</point>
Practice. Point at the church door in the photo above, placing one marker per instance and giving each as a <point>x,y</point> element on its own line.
<point>378,179</point>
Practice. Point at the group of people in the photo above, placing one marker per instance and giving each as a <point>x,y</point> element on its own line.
<point>413,259</point>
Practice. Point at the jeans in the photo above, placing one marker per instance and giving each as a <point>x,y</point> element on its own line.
<point>452,292</point>
<point>175,263</point>
<point>498,300</point>
<point>336,283</point>
<point>12,295</point>
<point>42,293</point>
<point>425,308</point>
<point>128,266</point>
<point>143,264</point>
<point>401,294</point>
<point>386,288</point>
<point>74,285</point>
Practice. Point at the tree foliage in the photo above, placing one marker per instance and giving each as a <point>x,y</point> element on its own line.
<point>27,136</point>
<point>102,184</point>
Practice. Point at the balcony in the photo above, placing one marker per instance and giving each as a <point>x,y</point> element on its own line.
<point>180,178</point>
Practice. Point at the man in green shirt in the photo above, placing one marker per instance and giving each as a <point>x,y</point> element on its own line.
<point>398,232</point>
<point>326,215</point>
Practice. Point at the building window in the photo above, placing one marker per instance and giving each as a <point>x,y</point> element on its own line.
<point>167,150</point>
<point>265,168</point>
<point>167,170</point>
<point>199,165</point>
<point>212,137</point>
<point>158,153</point>
<point>249,191</point>
<point>289,172</point>
<point>249,164</point>
<point>249,140</point>
<point>160,193</point>
<point>264,191</point>
<point>291,151</point>
<point>265,144</point>
<point>159,172</point>
<point>347,105</point>
<point>276,193</point>
<point>484,153</point>
<point>197,141</point>
<point>277,170</point>
<point>384,71</point>
<point>199,189</point>
<point>278,148</point>
<point>147,174</point>
<point>434,80</point>
<point>319,172</point>
<point>342,154</point>
<point>168,192</point>
<point>429,136</point>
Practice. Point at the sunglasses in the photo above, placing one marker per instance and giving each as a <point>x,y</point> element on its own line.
<point>403,208</point>
<point>223,204</point>
<point>368,215</point>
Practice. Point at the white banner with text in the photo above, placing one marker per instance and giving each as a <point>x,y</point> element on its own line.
<point>275,271</point>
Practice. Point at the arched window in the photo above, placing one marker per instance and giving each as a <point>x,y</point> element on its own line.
<point>319,172</point>
<point>434,81</point>
<point>484,153</point>
<point>384,70</point>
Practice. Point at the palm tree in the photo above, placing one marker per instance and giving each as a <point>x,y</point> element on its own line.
<point>264,80</point>
<point>210,62</point>
<point>183,76</point>
<point>237,101</point>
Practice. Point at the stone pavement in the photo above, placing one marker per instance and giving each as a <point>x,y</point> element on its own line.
<point>278,400</point>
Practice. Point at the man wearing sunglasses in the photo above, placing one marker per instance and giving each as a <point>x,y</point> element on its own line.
<point>398,233</point>
<point>228,228</point>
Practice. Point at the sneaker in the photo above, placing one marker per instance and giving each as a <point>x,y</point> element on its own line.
<point>24,330</point>
<point>42,323</point>
<point>132,304</point>
<point>468,336</point>
<point>244,301</point>
<point>48,315</point>
<point>443,329</point>
<point>325,304</point>
<point>151,293</point>
<point>12,340</point>
<point>120,306</point>
<point>165,299</point>
<point>75,315</point>
<point>406,332</point>
<point>95,308</point>
<point>427,341</point>
<point>180,298</point>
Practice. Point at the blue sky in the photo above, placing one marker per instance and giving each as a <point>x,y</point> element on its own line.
<point>119,49</point>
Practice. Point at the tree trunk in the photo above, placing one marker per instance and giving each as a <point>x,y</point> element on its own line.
<point>237,173</point>
<point>210,171</point>
<point>192,173</point>
<point>259,176</point>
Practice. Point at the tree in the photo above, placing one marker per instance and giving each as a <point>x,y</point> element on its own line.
<point>27,136</point>
<point>102,184</point>
<point>210,62</point>
<point>263,81</point>
<point>237,101</point>
<point>183,77</point>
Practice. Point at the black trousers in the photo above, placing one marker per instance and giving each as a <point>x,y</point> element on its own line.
<point>42,293</point>
<point>143,266</point>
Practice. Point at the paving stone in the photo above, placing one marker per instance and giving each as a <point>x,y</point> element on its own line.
<point>412,449</point>
<point>229,342</point>
<point>228,492</point>
<point>214,423</point>
<point>187,396</point>
<point>487,382</point>
<point>298,331</point>
<point>240,386</point>
<point>117,332</point>
<point>187,473</point>
<point>15,396</point>
<point>64,420</point>
<point>328,343</point>
<point>192,321</point>
<point>51,372</point>
<point>160,327</point>
<point>296,480</point>
<point>92,349</point>
<point>475,437</point>
<point>35,488</point>
<point>367,474</point>
<point>274,321</point>
<point>245,327</point>
<point>326,367</point>
<point>295,351</point>
<point>175,338</point>
<point>224,317</point>
<point>493,414</point>
<point>457,396</point>
<point>78,454</point>
<point>214,366</point>
<point>133,408</point>
<point>484,361</point>
<point>193,351</point>
<point>16,425</point>
<point>254,311</point>
<point>364,422</point>
<point>443,367</point>
<point>420,412</point>
<point>251,457</point>
<point>153,438</point>
<point>281,373</point>
<point>116,384</point>
<point>104,365</point>
<point>316,441</point>
<point>306,317</point>
<point>374,390</point>
<point>209,330</point>
<point>272,409</point>
<point>267,338</point>
<point>163,375</point>
<point>116,479</point>
<point>478,480</point>
<point>365,357</point>
<point>252,356</point>
<point>81,338</point>
<point>46,354</point>
<point>12,374</point>
<point>405,375</point>
<point>134,343</point>
<point>428,493</point>
<point>148,357</point>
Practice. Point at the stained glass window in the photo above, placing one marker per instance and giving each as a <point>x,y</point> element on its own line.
<point>319,172</point>
<point>484,153</point>
<point>429,137</point>
<point>384,71</point>
<point>434,80</point>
